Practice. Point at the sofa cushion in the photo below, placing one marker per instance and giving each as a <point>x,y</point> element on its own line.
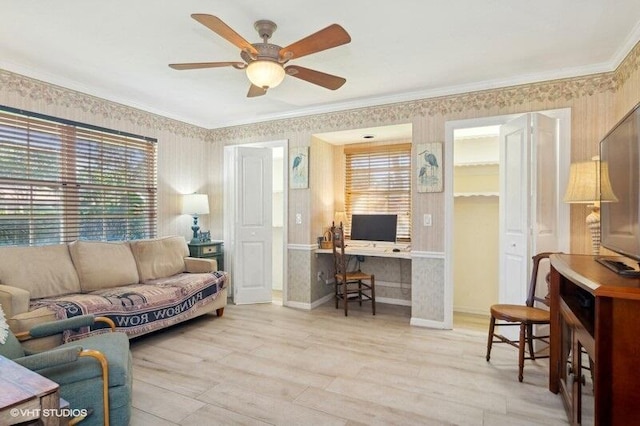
<point>159,258</point>
<point>44,271</point>
<point>103,265</point>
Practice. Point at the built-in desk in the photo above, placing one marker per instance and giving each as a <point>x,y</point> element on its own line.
<point>379,250</point>
<point>392,269</point>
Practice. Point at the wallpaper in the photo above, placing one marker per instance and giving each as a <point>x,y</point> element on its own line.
<point>592,99</point>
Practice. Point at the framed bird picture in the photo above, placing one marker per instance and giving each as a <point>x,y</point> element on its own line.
<point>299,167</point>
<point>429,167</point>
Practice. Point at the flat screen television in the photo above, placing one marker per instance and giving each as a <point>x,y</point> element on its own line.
<point>620,158</point>
<point>374,227</point>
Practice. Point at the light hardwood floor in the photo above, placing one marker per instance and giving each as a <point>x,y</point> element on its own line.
<point>267,364</point>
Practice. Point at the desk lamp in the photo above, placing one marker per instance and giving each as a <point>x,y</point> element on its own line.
<point>195,204</point>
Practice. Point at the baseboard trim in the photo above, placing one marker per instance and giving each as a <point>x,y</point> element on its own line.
<point>328,297</point>
<point>322,300</point>
<point>309,306</point>
<point>471,311</point>
<point>419,322</point>
<point>390,301</point>
<point>298,305</point>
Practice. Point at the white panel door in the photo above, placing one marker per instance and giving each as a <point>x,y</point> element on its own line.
<point>253,226</point>
<point>546,197</point>
<point>528,200</point>
<point>515,202</point>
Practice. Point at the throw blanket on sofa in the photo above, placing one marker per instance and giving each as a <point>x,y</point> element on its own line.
<point>139,308</point>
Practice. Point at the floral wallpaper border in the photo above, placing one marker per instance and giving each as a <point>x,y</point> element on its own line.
<point>62,97</point>
<point>565,89</point>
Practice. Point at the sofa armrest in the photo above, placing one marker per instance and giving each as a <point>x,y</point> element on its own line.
<point>14,300</point>
<point>197,265</point>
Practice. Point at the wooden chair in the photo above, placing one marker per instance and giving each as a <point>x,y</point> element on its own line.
<point>350,286</point>
<point>524,316</point>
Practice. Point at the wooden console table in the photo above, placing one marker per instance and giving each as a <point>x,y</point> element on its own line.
<point>25,394</point>
<point>596,311</point>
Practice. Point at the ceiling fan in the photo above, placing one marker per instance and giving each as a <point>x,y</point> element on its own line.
<point>264,62</point>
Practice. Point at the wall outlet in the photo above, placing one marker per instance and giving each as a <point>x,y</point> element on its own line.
<point>298,218</point>
<point>427,219</point>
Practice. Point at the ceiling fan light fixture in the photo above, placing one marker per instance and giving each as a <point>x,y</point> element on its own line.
<point>265,74</point>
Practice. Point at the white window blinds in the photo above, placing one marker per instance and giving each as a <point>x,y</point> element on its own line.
<point>61,181</point>
<point>378,181</point>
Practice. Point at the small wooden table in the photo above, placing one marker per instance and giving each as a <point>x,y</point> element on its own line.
<point>25,395</point>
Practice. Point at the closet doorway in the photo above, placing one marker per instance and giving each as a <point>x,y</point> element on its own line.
<point>531,173</point>
<point>476,217</point>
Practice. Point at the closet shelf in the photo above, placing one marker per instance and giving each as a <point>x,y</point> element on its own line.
<point>476,194</point>
<point>478,163</point>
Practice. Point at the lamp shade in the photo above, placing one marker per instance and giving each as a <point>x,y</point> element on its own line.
<point>265,74</point>
<point>587,186</point>
<point>195,204</point>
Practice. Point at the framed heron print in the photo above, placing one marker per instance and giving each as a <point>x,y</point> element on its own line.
<point>299,167</point>
<point>429,167</point>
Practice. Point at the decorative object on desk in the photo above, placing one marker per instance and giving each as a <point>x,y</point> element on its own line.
<point>428,165</point>
<point>299,167</point>
<point>195,204</point>
<point>327,240</point>
<point>589,184</point>
<point>204,236</point>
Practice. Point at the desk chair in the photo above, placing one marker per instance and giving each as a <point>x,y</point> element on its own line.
<point>350,286</point>
<point>94,373</point>
<point>525,316</point>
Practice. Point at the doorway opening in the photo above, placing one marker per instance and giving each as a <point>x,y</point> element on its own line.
<point>276,238</point>
<point>476,192</point>
<point>472,201</point>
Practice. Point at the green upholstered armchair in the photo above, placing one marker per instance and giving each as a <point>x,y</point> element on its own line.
<point>94,373</point>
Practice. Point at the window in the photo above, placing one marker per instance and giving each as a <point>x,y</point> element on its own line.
<point>378,181</point>
<point>61,181</point>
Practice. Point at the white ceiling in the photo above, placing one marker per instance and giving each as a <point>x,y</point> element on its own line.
<point>400,50</point>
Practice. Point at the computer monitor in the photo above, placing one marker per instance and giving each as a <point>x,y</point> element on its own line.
<point>374,227</point>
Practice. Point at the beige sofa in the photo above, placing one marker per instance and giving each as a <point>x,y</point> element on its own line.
<point>142,285</point>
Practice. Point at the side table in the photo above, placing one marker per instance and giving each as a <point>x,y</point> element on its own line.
<point>213,249</point>
<point>25,395</point>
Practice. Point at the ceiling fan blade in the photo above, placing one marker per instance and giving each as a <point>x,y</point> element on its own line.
<point>332,36</point>
<point>328,81</point>
<point>197,65</point>
<point>256,91</point>
<point>216,25</point>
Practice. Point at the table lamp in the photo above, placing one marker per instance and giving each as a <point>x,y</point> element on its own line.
<point>195,204</point>
<point>589,184</point>
<point>340,217</point>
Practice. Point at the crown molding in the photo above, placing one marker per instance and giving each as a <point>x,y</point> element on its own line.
<point>382,110</point>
